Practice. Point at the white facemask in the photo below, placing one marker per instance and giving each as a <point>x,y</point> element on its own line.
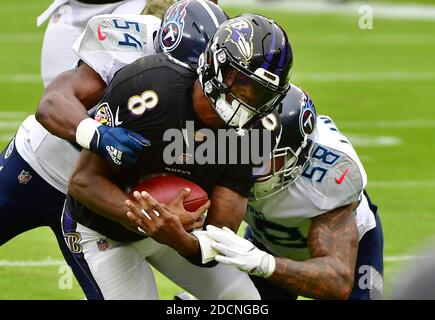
<point>226,112</point>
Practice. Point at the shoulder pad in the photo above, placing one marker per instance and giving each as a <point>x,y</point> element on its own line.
<point>123,33</point>
<point>113,41</point>
<point>332,178</point>
<point>329,136</point>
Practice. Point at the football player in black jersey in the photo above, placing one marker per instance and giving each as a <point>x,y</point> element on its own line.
<point>44,163</point>
<point>242,78</point>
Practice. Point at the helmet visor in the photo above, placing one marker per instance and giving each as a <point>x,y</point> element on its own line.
<point>247,90</point>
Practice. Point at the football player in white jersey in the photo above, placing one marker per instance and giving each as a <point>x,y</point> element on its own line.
<point>312,228</point>
<point>68,20</point>
<point>37,163</point>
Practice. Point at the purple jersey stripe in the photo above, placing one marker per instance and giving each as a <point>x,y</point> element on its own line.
<point>81,270</point>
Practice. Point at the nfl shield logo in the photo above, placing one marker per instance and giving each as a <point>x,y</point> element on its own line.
<point>24,177</point>
<point>102,244</point>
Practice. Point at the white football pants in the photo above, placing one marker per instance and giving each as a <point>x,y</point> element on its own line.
<point>122,270</point>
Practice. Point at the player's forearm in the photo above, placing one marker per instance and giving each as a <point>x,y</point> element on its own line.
<point>188,248</point>
<point>227,209</point>
<point>317,278</point>
<point>61,115</point>
<point>187,245</point>
<point>66,100</point>
<point>100,195</point>
<point>333,245</point>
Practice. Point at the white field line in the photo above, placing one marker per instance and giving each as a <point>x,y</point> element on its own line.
<point>400,184</point>
<point>373,141</point>
<point>364,76</point>
<point>6,137</point>
<point>31,263</point>
<point>21,78</point>
<point>16,6</point>
<point>55,263</point>
<point>403,258</point>
<point>365,39</point>
<point>390,11</point>
<point>308,77</point>
<point>20,37</point>
<point>12,114</point>
<point>9,124</point>
<point>388,124</point>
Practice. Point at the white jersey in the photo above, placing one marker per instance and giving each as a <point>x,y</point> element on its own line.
<point>68,20</point>
<point>109,43</point>
<point>333,177</point>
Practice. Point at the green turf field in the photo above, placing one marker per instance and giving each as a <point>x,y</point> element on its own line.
<point>378,85</point>
<point>402,1</point>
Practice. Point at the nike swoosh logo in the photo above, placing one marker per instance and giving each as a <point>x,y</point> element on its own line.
<point>117,122</point>
<point>101,36</point>
<point>341,179</point>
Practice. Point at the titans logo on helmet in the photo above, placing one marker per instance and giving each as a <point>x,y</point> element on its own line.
<point>307,117</point>
<point>172,27</point>
<point>241,34</point>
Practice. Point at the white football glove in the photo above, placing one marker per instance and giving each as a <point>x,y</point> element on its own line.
<point>241,253</point>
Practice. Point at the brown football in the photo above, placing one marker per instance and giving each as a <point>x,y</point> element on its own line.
<point>165,188</point>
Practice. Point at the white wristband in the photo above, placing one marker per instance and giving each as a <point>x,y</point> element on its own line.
<point>268,265</point>
<point>207,252</point>
<point>85,132</point>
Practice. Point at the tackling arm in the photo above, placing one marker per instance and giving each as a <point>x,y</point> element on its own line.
<point>333,246</point>
<point>227,210</point>
<point>92,186</point>
<point>328,274</point>
<point>66,100</point>
<point>63,111</point>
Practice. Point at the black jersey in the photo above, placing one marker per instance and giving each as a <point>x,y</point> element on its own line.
<point>150,96</point>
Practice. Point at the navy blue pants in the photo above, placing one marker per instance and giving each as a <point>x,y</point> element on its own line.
<point>369,269</point>
<point>28,202</point>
